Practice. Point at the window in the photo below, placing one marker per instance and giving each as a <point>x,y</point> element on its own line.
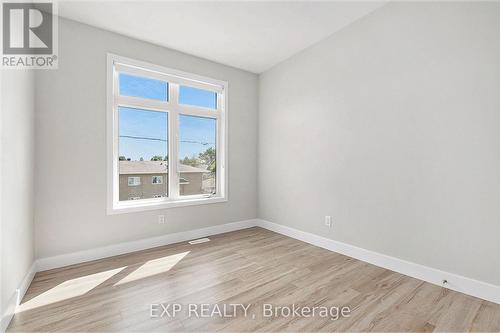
<point>142,150</point>
<point>197,97</point>
<point>142,87</point>
<point>134,181</point>
<point>157,180</point>
<point>197,165</point>
<point>167,125</point>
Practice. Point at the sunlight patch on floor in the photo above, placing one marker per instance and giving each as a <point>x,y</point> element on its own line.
<point>68,289</point>
<point>153,267</point>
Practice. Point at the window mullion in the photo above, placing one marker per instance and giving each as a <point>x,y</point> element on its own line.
<point>140,103</point>
<point>173,165</point>
<point>198,111</point>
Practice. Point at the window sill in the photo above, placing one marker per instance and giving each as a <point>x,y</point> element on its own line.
<point>140,206</point>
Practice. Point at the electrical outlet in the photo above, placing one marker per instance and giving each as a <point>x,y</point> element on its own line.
<point>161,219</point>
<point>328,221</point>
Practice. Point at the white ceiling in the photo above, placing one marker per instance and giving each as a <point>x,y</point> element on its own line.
<point>253,35</point>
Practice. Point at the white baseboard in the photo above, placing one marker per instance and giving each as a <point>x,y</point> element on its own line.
<point>127,247</point>
<point>25,284</point>
<point>456,282</point>
<point>10,309</point>
<point>15,299</point>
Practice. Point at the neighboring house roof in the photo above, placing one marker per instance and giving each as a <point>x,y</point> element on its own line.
<point>191,169</point>
<point>153,167</point>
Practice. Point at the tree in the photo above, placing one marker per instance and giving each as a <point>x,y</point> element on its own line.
<point>122,158</point>
<point>157,158</point>
<point>212,167</point>
<point>193,161</point>
<point>141,159</point>
<point>208,158</point>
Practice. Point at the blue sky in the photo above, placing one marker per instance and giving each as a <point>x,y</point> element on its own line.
<point>141,87</point>
<point>150,125</point>
<point>196,135</point>
<point>144,133</point>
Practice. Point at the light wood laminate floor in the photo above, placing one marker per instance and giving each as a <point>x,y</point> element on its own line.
<point>252,266</point>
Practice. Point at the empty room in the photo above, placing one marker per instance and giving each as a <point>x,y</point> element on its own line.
<point>250,166</point>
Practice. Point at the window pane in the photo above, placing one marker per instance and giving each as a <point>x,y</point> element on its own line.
<point>137,86</point>
<point>134,181</point>
<point>143,154</point>
<point>197,97</point>
<point>157,180</point>
<point>197,138</point>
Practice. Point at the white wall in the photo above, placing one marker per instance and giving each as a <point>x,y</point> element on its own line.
<point>392,126</point>
<point>71,151</point>
<point>16,181</point>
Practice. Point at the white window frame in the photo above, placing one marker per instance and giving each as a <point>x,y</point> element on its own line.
<point>135,183</point>
<point>117,64</point>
